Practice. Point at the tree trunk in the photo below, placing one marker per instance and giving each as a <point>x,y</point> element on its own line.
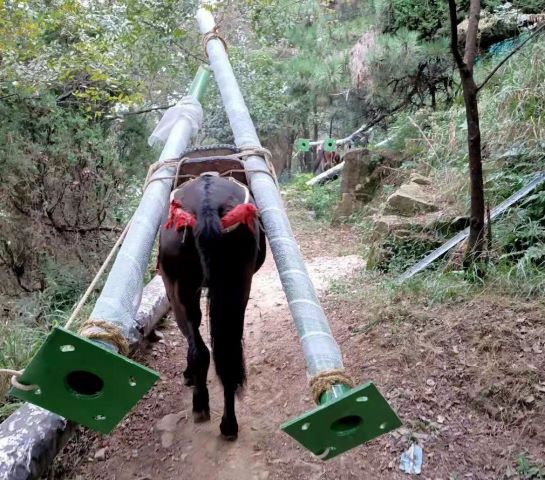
<point>476,225</point>
<point>465,66</point>
<point>291,140</point>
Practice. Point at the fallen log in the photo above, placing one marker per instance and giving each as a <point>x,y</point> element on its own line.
<point>330,174</point>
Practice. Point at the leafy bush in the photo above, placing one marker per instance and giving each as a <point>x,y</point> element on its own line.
<point>430,17</point>
<point>399,253</point>
<point>529,6</point>
<point>319,199</point>
<point>425,17</point>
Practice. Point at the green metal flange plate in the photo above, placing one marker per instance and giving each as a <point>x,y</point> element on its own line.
<point>330,144</point>
<point>354,418</point>
<point>84,382</point>
<point>303,145</point>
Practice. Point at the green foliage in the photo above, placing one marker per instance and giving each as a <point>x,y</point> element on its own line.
<point>521,238</point>
<point>71,161</point>
<point>319,199</point>
<point>400,253</point>
<point>310,43</point>
<point>323,199</point>
<point>527,468</point>
<point>65,284</point>
<point>430,18</point>
<point>407,69</point>
<point>18,343</point>
<point>512,132</point>
<point>425,17</point>
<point>433,288</point>
<point>92,55</point>
<point>530,6</point>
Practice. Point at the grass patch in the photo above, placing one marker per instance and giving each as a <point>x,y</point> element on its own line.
<point>18,343</point>
<point>526,468</point>
<point>319,199</point>
<point>30,320</point>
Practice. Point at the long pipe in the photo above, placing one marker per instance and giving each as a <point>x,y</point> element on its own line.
<point>121,295</point>
<point>320,349</point>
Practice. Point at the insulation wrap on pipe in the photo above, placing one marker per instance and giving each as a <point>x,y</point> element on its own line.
<point>122,292</point>
<point>319,347</point>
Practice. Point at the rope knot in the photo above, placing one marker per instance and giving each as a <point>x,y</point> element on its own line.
<point>323,381</point>
<point>105,332</point>
<point>211,35</point>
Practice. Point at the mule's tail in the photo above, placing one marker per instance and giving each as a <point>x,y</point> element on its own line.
<point>226,314</point>
<point>208,231</point>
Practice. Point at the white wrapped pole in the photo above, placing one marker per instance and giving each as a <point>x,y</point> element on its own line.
<point>122,292</point>
<point>327,175</point>
<point>319,347</point>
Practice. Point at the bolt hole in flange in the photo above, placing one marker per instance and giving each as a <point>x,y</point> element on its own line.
<point>84,383</point>
<point>346,425</point>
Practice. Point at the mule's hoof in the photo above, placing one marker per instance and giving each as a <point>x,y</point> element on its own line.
<point>201,417</point>
<point>229,430</point>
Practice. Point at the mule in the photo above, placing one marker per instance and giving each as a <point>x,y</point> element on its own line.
<point>325,160</point>
<point>212,239</point>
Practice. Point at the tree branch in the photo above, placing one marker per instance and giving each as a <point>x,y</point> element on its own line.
<point>472,31</point>
<point>83,230</point>
<point>515,50</point>
<point>10,95</point>
<point>377,120</point>
<point>183,49</point>
<point>454,34</point>
<point>146,110</point>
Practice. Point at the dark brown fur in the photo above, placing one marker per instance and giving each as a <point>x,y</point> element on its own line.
<point>224,262</point>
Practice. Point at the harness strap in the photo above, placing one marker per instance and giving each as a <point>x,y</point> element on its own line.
<point>244,213</point>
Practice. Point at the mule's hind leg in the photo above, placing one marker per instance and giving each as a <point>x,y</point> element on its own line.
<point>188,316</point>
<point>227,307</point>
<point>181,319</point>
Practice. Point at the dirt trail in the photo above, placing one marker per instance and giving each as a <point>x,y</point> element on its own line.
<point>159,439</point>
<point>466,377</point>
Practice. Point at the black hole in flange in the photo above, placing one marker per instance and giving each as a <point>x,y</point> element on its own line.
<point>84,383</point>
<point>346,425</point>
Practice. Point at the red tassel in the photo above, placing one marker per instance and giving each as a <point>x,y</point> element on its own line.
<point>244,213</point>
<point>178,217</point>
